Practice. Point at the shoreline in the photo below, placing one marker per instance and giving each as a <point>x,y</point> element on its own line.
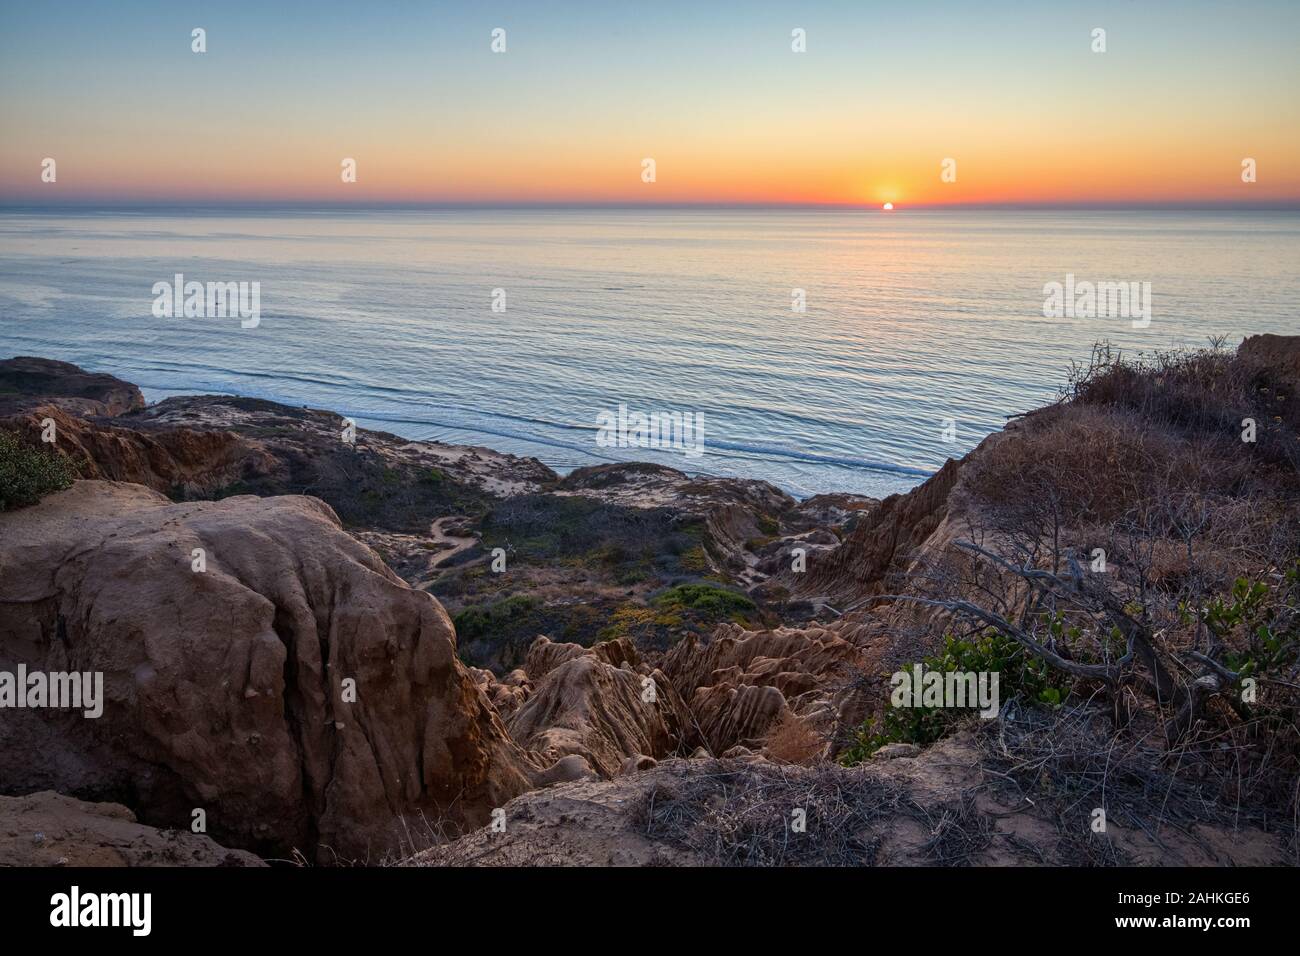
<point>908,476</point>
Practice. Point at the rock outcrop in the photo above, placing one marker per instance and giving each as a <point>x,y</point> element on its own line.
<point>27,382</point>
<point>294,688</point>
<point>179,462</point>
<point>507,694</point>
<point>1279,354</point>
<point>881,544</point>
<point>205,446</point>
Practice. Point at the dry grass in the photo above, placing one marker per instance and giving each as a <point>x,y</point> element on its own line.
<point>1199,395</point>
<point>741,814</point>
<point>791,740</point>
<point>1070,762</point>
<point>1096,465</point>
<point>1205,392</point>
<point>1152,448</point>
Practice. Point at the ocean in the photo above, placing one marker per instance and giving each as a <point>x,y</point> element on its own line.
<point>920,331</point>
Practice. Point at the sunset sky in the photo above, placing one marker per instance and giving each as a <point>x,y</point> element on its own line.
<point>712,91</point>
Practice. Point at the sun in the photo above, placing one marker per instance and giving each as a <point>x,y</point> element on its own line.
<point>888,207</point>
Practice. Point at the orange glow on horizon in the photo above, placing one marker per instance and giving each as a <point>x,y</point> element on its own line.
<point>992,167</point>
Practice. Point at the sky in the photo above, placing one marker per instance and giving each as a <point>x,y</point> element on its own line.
<point>712,91</point>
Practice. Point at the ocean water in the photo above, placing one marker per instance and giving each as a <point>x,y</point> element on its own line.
<point>923,330</point>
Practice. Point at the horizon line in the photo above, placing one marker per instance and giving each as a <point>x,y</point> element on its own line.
<point>898,205</point>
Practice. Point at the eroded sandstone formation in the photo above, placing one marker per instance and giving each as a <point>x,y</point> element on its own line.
<point>601,704</point>
<point>294,687</point>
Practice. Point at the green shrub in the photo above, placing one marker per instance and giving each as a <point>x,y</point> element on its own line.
<point>1020,674</point>
<point>706,601</point>
<point>482,620</point>
<point>545,529</point>
<point>28,474</point>
<point>1262,621</point>
<point>1257,623</point>
<point>900,725</point>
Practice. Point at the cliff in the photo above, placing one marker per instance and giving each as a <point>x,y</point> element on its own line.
<point>622,639</point>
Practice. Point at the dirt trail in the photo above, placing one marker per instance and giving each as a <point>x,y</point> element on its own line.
<point>451,544</point>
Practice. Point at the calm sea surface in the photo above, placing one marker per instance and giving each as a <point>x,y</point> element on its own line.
<point>912,319</point>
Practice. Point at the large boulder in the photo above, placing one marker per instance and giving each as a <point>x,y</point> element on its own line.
<point>295,689</point>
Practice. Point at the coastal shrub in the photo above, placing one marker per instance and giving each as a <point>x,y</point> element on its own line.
<point>707,601</point>
<point>1021,675</point>
<point>544,528</point>
<point>497,634</point>
<point>1083,465</point>
<point>1207,675</point>
<point>694,560</point>
<point>484,619</point>
<point>633,621</point>
<point>28,474</point>
<point>1190,389</point>
<point>1260,624</point>
<point>898,725</point>
<point>1145,454</point>
<point>1191,392</point>
<point>364,488</point>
